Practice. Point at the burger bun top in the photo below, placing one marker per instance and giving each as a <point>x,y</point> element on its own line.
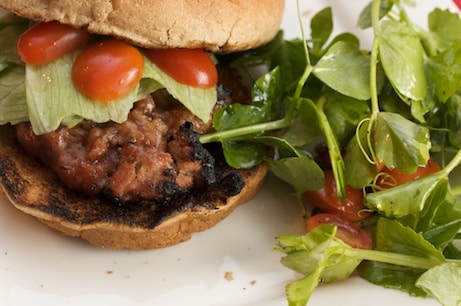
<point>218,26</point>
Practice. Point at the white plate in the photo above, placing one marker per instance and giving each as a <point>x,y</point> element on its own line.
<point>39,267</point>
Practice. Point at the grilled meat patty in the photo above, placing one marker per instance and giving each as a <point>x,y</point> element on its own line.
<point>155,153</point>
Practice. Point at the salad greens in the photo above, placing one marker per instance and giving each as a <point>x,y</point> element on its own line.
<point>35,92</point>
<point>398,105</point>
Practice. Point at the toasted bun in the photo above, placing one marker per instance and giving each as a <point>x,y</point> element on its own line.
<point>36,191</point>
<point>221,25</point>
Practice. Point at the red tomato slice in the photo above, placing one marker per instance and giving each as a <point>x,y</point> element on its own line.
<point>47,41</point>
<point>393,177</point>
<point>187,66</point>
<point>107,70</point>
<point>347,231</point>
<point>351,208</point>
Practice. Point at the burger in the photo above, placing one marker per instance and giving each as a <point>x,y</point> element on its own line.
<point>102,104</point>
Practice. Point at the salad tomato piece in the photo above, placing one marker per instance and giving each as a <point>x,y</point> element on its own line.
<point>392,177</point>
<point>47,41</point>
<point>346,230</point>
<point>351,208</point>
<point>107,70</point>
<point>192,67</point>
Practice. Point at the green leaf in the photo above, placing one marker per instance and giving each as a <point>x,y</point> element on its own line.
<point>392,236</point>
<point>283,147</point>
<point>364,20</point>
<point>400,143</point>
<point>319,256</point>
<point>444,28</point>
<point>339,63</point>
<point>266,100</point>
<point>291,169</point>
<point>445,71</point>
<point>13,107</point>
<point>407,200</point>
<point>304,124</point>
<point>237,115</point>
<point>402,58</point>
<point>346,113</point>
<point>444,283</point>
<point>267,95</point>
<point>392,276</point>
<point>443,221</point>
<point>453,117</point>
<point>359,172</point>
<point>321,28</point>
<point>291,60</point>
<point>299,292</point>
<point>451,251</point>
<point>11,27</point>
<point>243,154</point>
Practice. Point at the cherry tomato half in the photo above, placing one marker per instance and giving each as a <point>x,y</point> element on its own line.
<point>347,231</point>
<point>187,66</point>
<point>351,208</point>
<point>107,70</point>
<point>47,41</point>
<point>392,177</point>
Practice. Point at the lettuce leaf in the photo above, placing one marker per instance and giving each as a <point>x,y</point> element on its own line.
<point>45,94</point>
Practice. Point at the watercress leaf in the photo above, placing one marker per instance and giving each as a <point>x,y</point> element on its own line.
<point>300,261</point>
<point>267,95</point>
<point>304,126</point>
<point>359,172</point>
<point>347,37</point>
<point>402,58</point>
<point>289,243</point>
<point>445,71</point>
<point>392,276</point>
<point>336,66</point>
<point>400,143</point>
<point>291,60</point>
<point>321,28</point>
<point>237,115</point>
<point>284,148</point>
<point>364,20</point>
<point>243,154</point>
<point>266,105</point>
<point>392,236</point>
<point>440,194</point>
<point>406,200</point>
<point>346,113</point>
<point>319,256</point>
<point>443,282</point>
<point>338,266</point>
<point>452,252</point>
<point>453,117</point>
<point>291,169</point>
<point>299,292</point>
<point>389,101</point>
<point>444,28</point>
<point>443,223</point>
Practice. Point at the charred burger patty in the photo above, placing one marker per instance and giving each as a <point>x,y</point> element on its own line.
<point>154,154</point>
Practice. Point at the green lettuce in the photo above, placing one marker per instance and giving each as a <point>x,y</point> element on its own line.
<point>45,94</point>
